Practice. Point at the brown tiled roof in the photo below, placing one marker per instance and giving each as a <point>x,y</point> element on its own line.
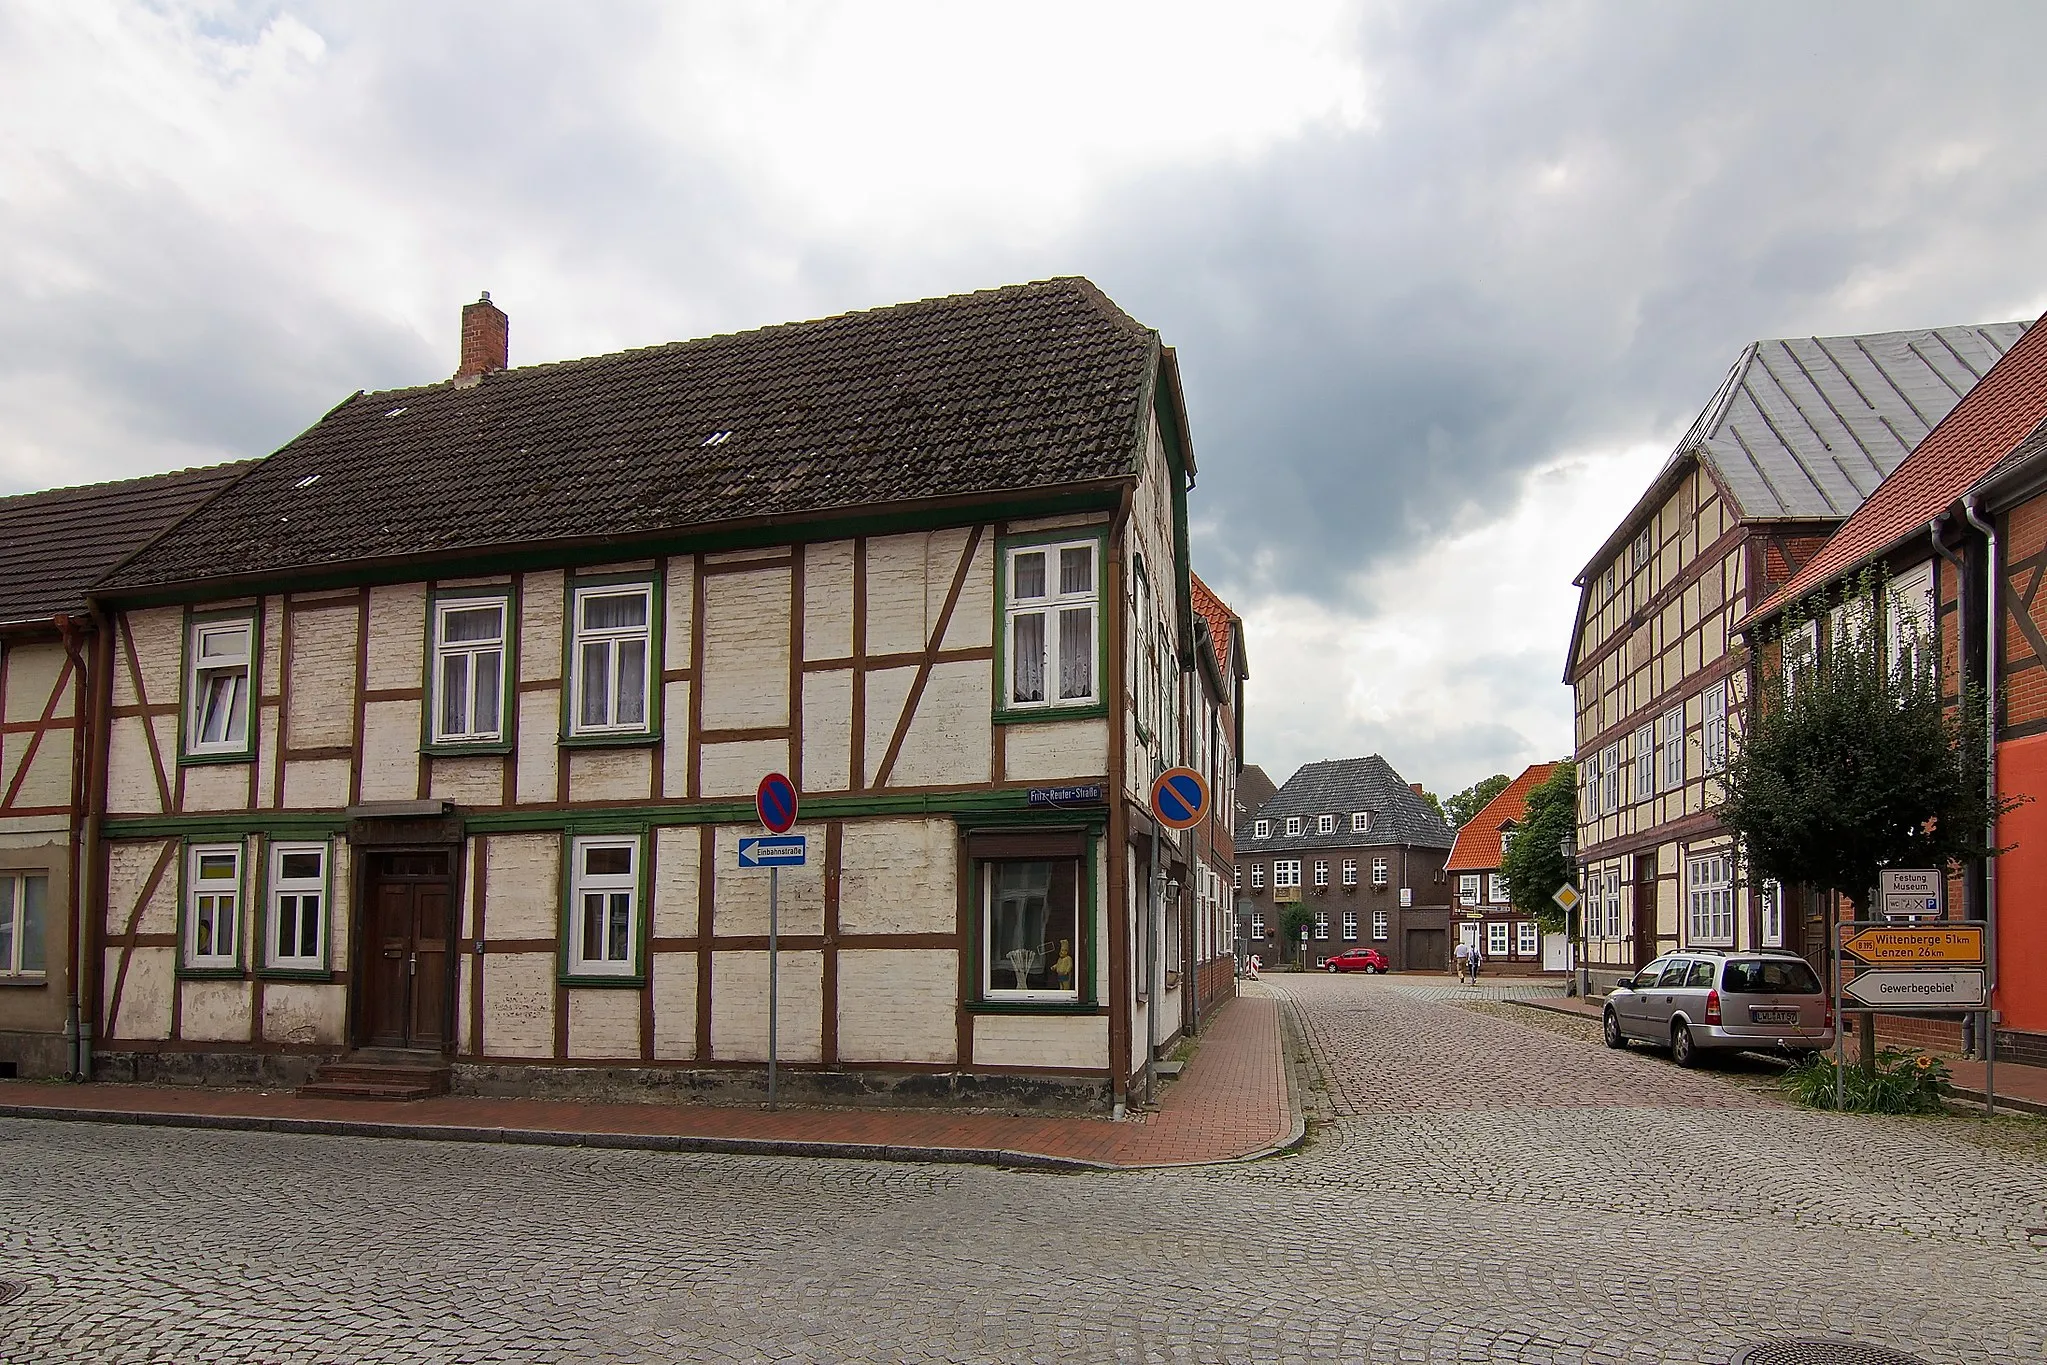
<point>1478,843</point>
<point>1217,613</point>
<point>1983,428</point>
<point>1030,387</point>
<point>53,545</point>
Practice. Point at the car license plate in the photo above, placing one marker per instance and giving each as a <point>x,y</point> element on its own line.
<point>1774,1016</point>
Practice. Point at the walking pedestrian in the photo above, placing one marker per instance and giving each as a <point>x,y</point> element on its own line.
<point>1477,958</point>
<point>1463,958</point>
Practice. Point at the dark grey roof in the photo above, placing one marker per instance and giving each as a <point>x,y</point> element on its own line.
<point>1340,787</point>
<point>54,544</point>
<point>1030,387</point>
<point>1254,789</point>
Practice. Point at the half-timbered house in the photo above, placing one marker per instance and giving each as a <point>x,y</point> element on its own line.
<point>1486,918</point>
<point>1217,693</point>
<point>52,546</point>
<point>438,731</point>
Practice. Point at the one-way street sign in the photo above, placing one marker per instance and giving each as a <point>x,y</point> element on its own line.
<point>785,850</point>
<point>1940,988</point>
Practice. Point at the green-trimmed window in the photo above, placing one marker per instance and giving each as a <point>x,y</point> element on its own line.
<point>611,655</point>
<point>604,906</point>
<point>213,905</point>
<point>297,916</point>
<point>1030,929</point>
<point>469,669</point>
<point>24,901</point>
<point>1052,624</point>
<point>218,658</point>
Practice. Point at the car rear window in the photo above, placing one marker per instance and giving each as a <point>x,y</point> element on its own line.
<point>1772,976</point>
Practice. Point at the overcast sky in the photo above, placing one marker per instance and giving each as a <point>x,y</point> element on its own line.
<point>1447,280</point>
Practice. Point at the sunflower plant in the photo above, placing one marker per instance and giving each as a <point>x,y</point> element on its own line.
<point>1905,1081</point>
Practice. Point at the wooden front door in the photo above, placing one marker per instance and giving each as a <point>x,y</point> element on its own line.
<point>409,918</point>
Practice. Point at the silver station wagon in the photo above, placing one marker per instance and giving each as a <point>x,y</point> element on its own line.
<point>1695,1002</point>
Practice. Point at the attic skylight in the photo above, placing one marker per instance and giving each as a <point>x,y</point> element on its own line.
<point>717,438</point>
<point>307,482</point>
<point>394,412</point>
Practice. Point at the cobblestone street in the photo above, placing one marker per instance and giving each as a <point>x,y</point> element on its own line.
<point>1477,1186</point>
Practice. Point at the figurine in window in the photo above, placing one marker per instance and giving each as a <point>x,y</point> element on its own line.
<point>1062,969</point>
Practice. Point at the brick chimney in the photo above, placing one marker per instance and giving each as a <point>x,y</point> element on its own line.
<point>1416,787</point>
<point>486,340</point>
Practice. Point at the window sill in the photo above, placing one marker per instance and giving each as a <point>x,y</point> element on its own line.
<point>205,760</point>
<point>1031,1007</point>
<point>644,739</point>
<point>313,974</point>
<point>480,749</point>
<point>1036,715</point>
<point>23,980</point>
<point>634,982</point>
<point>211,974</point>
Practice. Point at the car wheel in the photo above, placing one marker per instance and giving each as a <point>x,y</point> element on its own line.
<point>1330,967</point>
<point>1682,1050</point>
<point>1370,970</point>
<point>1611,1027</point>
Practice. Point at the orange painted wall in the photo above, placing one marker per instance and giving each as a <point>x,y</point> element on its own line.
<point>2022,887</point>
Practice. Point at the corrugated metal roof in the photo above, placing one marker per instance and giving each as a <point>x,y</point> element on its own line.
<point>1805,429</point>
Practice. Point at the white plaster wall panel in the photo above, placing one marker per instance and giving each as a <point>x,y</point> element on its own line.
<point>131,773</point>
<point>214,1011</point>
<point>948,742</point>
<point>303,1012</point>
<point>736,769</point>
<point>390,751</point>
<point>145,992</point>
<point>47,781</point>
<point>741,905</point>
<point>678,628</point>
<point>675,884</point>
<point>540,626</point>
<point>604,1023</point>
<point>343,880</point>
<point>1057,750</point>
<point>471,781</point>
<point>217,786</point>
<point>674,984</point>
<point>746,650</point>
<point>159,650</point>
<point>901,602</point>
<point>898,877</point>
<point>316,784</point>
<point>827,602</point>
<point>270,675</point>
<point>1077,1041</point>
<point>973,616</point>
<point>525,875</point>
<point>32,671</point>
<point>465,1036</point>
<point>397,637</point>
<point>128,868</point>
<point>539,728</point>
<point>610,774</point>
<point>267,755</point>
<point>1032,524</point>
<point>518,1004</point>
<point>898,1005</point>
<point>828,731</point>
<point>320,708</point>
<point>675,752</point>
<point>739,1007</point>
<point>887,690</point>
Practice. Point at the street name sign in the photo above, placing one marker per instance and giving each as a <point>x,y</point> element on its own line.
<point>1923,988</point>
<point>1909,892</point>
<point>785,850</point>
<point>1179,798</point>
<point>1091,795</point>
<point>1567,897</point>
<point>1928,945</point>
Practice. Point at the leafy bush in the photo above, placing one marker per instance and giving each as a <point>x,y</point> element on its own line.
<point>1906,1081</point>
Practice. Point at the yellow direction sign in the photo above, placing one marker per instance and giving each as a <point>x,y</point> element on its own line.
<point>1921,944</point>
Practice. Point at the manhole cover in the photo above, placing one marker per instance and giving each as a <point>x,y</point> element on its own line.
<point>1820,1352</point>
<point>10,1291</point>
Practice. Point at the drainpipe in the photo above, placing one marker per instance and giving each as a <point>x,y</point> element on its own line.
<point>91,882</point>
<point>1990,596</point>
<point>67,629</point>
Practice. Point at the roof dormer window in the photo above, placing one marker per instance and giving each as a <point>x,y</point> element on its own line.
<point>1325,824</point>
<point>1261,829</point>
<point>1360,821</point>
<point>1293,825</point>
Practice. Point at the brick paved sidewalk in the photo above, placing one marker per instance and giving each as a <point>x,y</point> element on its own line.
<point>1231,1103</point>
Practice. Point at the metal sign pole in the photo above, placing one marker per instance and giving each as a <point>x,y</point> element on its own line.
<point>774,950</point>
<point>1840,1008</point>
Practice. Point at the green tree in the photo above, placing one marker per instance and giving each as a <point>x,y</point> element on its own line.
<point>1534,862</point>
<point>1294,918</point>
<point>1433,803</point>
<point>1459,809</point>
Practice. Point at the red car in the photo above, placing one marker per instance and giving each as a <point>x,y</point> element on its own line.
<point>1357,960</point>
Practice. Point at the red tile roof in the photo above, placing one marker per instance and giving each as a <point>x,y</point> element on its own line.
<point>1217,613</point>
<point>1478,843</point>
<point>1983,428</point>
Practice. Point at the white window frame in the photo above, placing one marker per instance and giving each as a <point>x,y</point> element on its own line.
<point>1796,653</point>
<point>233,666</point>
<point>1380,874</point>
<point>1645,763</point>
<point>1322,925</point>
<point>1771,913</point>
<point>1496,889</point>
<point>14,918</point>
<point>1258,876</point>
<point>203,906</point>
<point>1498,943</point>
<point>1709,888</point>
<point>607,885</point>
<point>1258,925</point>
<point>1594,915</point>
<point>614,637</point>
<point>1261,829</point>
<point>1713,728</point>
<point>1350,871</point>
<point>1361,822</point>
<point>1321,872</point>
<point>280,890</point>
<point>1049,607</point>
<point>1613,904</point>
<point>1382,926</point>
<point>1350,926</point>
<point>1236,876</point>
<point>1672,726</point>
<point>1468,886</point>
<point>1909,616</point>
<point>472,653</point>
<point>1293,825</point>
<point>1286,872</point>
<point>1609,779</point>
<point>1527,938</point>
<point>1325,824</point>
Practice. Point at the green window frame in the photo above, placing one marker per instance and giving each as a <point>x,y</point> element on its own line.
<point>986,965</point>
<point>1036,610</point>
<point>466,656</point>
<point>202,915</point>
<point>297,909</point>
<point>220,667</point>
<point>584,645</point>
<point>606,909</point>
